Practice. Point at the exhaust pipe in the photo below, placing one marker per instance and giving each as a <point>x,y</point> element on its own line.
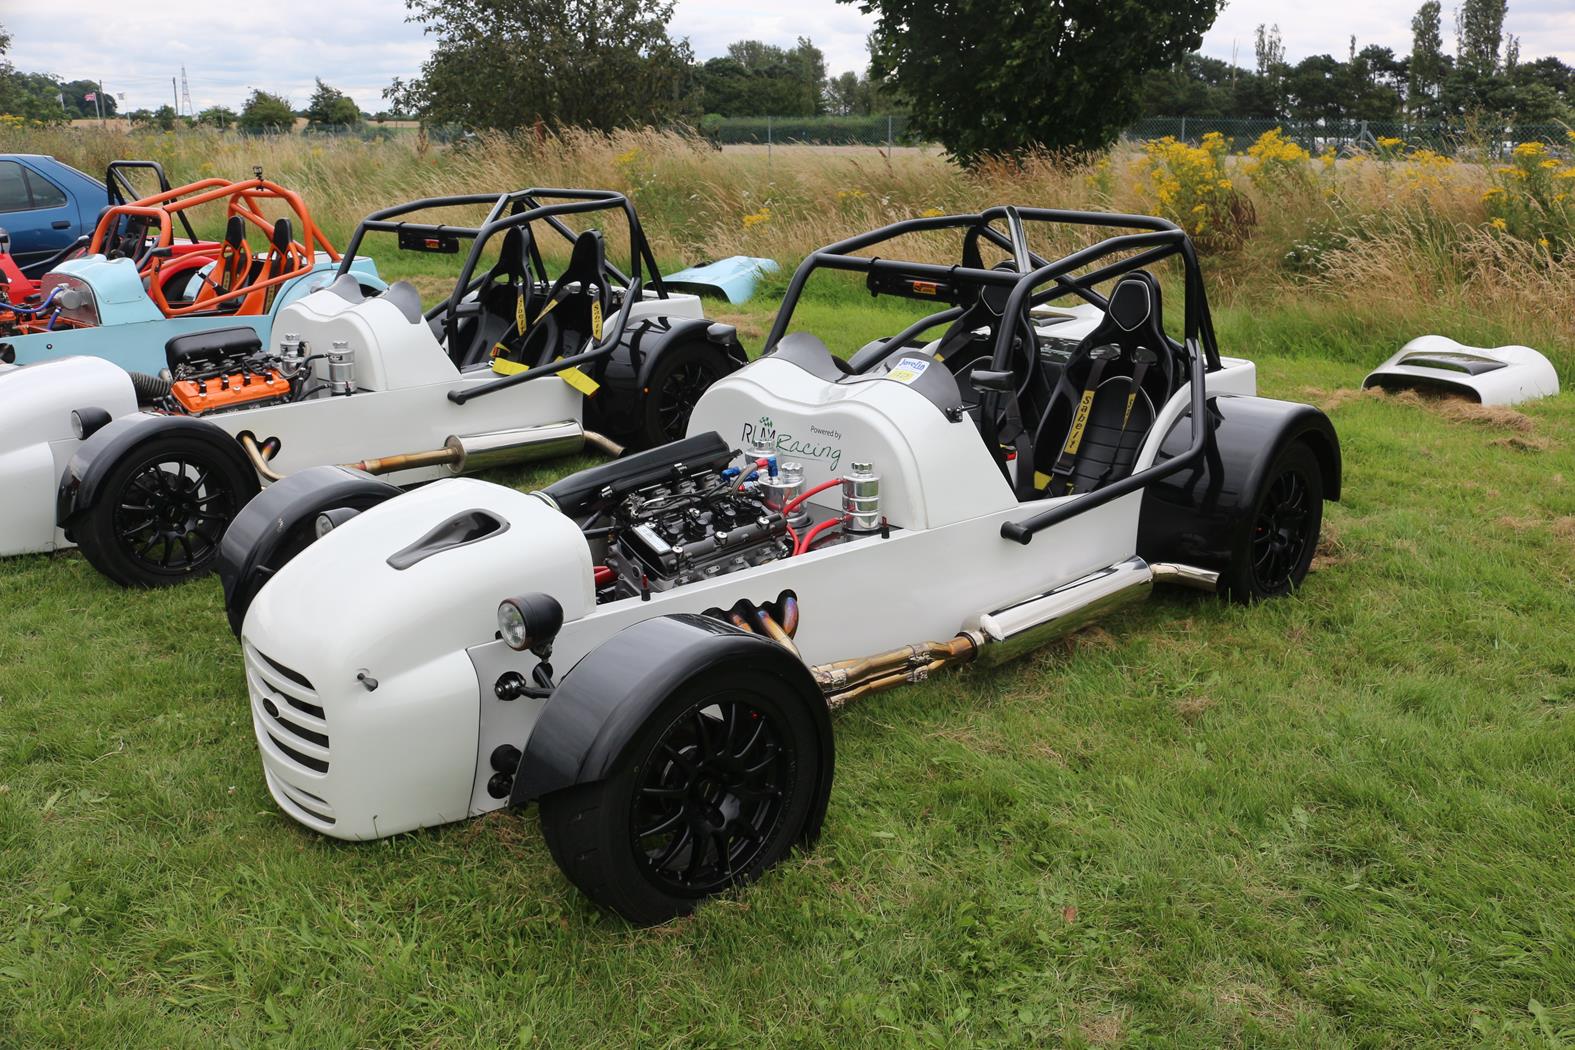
<point>462,454</point>
<point>1002,635</point>
<point>1025,626</point>
<point>505,447</point>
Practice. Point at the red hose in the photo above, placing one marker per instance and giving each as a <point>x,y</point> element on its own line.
<point>792,535</point>
<point>813,534</point>
<point>822,487</point>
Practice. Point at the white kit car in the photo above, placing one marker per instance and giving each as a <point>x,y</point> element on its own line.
<point>650,648</point>
<point>145,473</point>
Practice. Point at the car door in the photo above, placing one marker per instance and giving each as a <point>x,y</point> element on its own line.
<point>37,214</point>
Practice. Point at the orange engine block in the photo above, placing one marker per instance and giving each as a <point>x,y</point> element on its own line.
<point>242,388</point>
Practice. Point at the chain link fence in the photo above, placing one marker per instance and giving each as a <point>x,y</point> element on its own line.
<point>1353,135</point>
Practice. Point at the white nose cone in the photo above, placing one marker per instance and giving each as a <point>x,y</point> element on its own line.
<point>1504,375</point>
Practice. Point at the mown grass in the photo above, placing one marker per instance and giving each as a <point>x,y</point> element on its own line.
<point>1339,819</point>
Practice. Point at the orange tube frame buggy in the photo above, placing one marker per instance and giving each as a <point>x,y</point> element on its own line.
<point>245,198</point>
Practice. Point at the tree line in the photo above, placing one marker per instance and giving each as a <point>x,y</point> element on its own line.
<point>1066,76</point>
<point>1485,77</point>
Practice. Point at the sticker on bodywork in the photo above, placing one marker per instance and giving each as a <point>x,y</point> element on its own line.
<point>907,369</point>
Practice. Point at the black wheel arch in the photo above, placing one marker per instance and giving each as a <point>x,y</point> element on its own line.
<point>259,541</point>
<point>585,729</point>
<point>626,373</point>
<point>82,484</point>
<point>1196,516</point>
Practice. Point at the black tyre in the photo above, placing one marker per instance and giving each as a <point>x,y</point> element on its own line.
<point>1275,549</point>
<point>162,512</point>
<point>714,788</point>
<point>681,375</point>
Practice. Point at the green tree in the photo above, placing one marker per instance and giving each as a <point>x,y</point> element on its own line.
<point>329,108</point>
<point>1427,66</point>
<point>1479,33</point>
<point>221,117</point>
<point>510,63</point>
<point>163,119</point>
<point>1063,74</point>
<point>756,79</point>
<point>266,113</point>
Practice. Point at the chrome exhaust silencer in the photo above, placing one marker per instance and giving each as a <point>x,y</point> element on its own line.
<point>504,447</point>
<point>1025,626</point>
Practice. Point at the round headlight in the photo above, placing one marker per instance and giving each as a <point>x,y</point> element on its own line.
<point>511,625</point>
<point>329,520</point>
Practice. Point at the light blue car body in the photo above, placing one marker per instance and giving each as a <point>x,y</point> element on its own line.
<point>132,331</point>
<point>734,277</point>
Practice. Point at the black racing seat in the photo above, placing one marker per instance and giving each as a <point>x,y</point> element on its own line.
<point>491,317</point>
<point>565,322</point>
<point>1107,396</point>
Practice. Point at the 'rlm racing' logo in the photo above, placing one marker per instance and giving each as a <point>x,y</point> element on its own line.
<point>764,435</point>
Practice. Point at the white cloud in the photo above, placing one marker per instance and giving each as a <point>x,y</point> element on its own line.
<point>359,46</point>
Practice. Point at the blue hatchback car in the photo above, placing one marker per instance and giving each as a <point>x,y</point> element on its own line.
<point>45,205</point>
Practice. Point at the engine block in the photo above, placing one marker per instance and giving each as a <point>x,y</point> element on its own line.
<point>689,528</point>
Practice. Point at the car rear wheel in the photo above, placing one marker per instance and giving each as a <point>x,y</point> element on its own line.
<point>675,384</point>
<point>162,511</point>
<point>1276,548</point>
<point>715,788</point>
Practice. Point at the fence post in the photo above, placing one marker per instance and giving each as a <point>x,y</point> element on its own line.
<point>1183,129</point>
<point>768,149</point>
<point>888,136</point>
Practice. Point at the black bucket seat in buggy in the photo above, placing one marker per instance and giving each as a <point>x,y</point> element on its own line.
<point>537,329</point>
<point>1107,396</point>
<point>493,315</point>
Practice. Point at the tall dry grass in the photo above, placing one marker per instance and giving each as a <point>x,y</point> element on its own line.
<point>1401,234</point>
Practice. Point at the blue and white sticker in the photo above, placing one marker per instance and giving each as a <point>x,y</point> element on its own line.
<point>907,369</point>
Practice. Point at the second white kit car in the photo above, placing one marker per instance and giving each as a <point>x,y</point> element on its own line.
<point>145,473</point>
<point>651,648</point>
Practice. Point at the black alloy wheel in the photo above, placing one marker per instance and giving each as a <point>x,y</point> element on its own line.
<point>163,511</point>
<point>716,786</point>
<point>681,375</point>
<point>711,796</point>
<point>1281,536</point>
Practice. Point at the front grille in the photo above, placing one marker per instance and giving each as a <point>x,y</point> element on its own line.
<point>301,804</point>
<point>288,717</point>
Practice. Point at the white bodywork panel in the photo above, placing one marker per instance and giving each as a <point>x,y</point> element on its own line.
<point>403,378</point>
<point>37,440</point>
<point>398,761</point>
<point>1503,375</point>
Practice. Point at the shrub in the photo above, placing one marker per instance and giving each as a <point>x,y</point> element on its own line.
<point>1275,162</point>
<point>1192,189</point>
<point>1533,198</point>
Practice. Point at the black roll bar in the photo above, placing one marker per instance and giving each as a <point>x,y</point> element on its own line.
<point>517,209</point>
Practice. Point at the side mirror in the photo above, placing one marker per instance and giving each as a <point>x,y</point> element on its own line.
<point>994,382</point>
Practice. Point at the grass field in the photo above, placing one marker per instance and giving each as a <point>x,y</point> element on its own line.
<point>1341,819</point>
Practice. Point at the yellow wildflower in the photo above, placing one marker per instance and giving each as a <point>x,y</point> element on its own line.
<point>1530,149</point>
<point>932,213</point>
<point>757,217</point>
<point>1499,224</point>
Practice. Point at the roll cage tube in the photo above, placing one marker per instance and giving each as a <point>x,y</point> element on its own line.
<point>519,210</point>
<point>121,191</point>
<point>1197,338</point>
<point>243,200</point>
<point>839,256</point>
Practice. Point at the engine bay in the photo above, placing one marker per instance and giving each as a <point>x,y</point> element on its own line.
<point>697,522</point>
<point>222,371</point>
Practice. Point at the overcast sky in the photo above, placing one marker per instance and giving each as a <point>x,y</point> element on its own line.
<point>136,46</point>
